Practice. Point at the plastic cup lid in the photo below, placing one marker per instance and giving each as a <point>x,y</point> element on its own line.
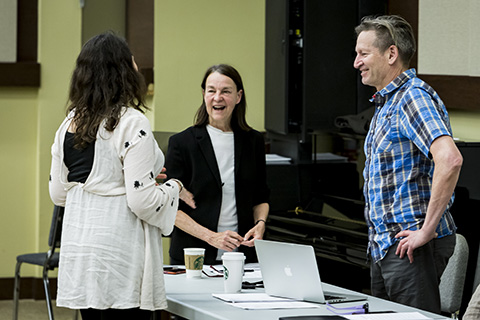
<point>233,256</point>
<point>194,250</point>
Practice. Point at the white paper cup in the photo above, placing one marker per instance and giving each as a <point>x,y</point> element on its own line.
<point>194,261</point>
<point>233,271</point>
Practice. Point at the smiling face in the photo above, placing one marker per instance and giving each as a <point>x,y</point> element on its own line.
<point>221,97</point>
<point>373,65</point>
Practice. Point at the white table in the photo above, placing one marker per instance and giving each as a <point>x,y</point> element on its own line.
<point>192,299</point>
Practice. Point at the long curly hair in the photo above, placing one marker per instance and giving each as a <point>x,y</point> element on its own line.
<point>103,82</point>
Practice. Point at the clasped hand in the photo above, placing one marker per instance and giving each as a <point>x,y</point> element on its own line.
<point>230,240</point>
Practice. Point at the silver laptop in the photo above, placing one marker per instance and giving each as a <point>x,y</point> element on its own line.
<point>290,271</point>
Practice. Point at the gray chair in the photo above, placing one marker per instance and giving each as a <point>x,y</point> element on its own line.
<point>453,278</point>
<point>47,260</point>
<point>476,280</point>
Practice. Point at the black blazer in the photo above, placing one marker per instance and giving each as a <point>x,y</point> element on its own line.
<point>191,159</point>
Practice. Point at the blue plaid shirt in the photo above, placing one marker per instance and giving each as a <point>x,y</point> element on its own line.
<point>398,172</point>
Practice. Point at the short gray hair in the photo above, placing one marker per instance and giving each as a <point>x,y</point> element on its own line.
<point>391,30</point>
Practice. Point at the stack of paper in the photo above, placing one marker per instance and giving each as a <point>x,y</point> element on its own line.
<point>259,301</point>
<point>271,158</point>
<point>328,157</point>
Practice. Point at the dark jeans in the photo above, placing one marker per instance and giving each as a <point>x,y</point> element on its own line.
<point>115,314</point>
<point>413,284</point>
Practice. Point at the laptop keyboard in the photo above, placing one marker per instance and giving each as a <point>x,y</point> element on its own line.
<point>335,298</point>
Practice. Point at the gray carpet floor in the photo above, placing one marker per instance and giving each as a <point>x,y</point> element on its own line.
<point>34,310</point>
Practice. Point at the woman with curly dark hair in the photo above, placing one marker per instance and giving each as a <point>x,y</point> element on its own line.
<point>104,164</point>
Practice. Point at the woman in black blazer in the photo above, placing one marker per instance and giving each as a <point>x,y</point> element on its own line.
<point>221,160</point>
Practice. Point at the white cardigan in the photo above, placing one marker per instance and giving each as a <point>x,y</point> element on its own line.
<point>111,250</point>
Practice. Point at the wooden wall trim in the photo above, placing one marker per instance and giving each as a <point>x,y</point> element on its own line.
<point>23,74</point>
<point>27,30</point>
<point>407,9</point>
<point>30,288</point>
<point>457,92</point>
<point>26,71</point>
<point>139,35</point>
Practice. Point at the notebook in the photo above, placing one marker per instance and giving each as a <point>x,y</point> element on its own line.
<point>290,271</point>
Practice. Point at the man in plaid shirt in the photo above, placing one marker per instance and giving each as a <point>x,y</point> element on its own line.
<point>411,169</point>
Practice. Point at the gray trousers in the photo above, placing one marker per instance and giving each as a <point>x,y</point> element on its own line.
<point>413,284</point>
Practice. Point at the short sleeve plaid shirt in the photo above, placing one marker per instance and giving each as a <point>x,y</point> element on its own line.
<point>398,172</point>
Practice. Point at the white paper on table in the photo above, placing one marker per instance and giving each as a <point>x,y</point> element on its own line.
<point>388,316</point>
<point>248,297</point>
<point>275,158</point>
<point>292,304</point>
<point>259,301</point>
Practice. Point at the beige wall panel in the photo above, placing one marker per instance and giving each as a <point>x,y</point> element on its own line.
<point>8,30</point>
<point>474,56</point>
<point>443,37</point>
<point>190,36</point>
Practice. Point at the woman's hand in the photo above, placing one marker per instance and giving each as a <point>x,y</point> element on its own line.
<point>253,234</point>
<point>227,240</point>
<point>187,197</point>
<point>162,175</point>
<point>184,195</point>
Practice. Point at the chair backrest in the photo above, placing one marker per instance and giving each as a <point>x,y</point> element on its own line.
<point>453,278</point>
<point>56,227</point>
<point>476,280</point>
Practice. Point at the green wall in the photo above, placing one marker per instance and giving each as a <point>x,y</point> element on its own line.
<point>190,35</point>
<point>29,118</point>
<point>18,163</point>
<point>465,125</point>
